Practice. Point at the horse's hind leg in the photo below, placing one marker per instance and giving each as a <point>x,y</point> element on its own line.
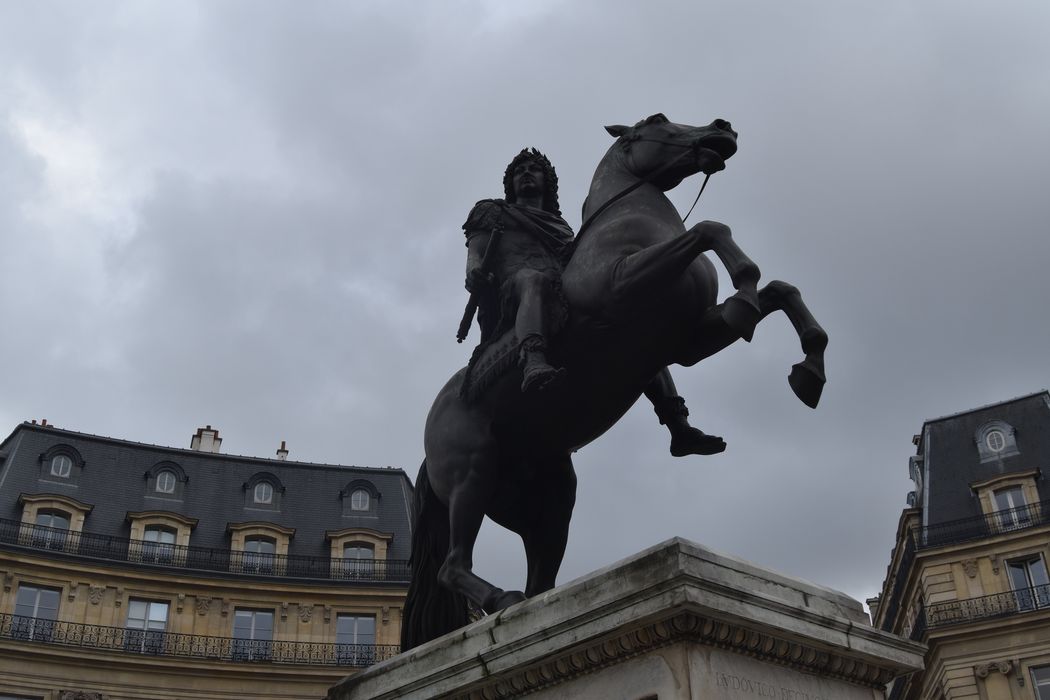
<point>742,311</point>
<point>807,377</point>
<point>467,504</point>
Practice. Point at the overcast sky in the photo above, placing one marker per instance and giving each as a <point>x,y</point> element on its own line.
<point>247,214</point>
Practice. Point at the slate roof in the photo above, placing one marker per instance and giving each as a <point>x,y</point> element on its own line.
<point>952,461</point>
<point>113,481</point>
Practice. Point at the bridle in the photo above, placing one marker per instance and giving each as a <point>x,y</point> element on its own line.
<point>646,180</point>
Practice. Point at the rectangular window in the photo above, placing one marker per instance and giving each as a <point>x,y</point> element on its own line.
<point>51,529</point>
<point>259,555</point>
<point>1041,682</point>
<point>147,620</point>
<point>355,640</point>
<point>1011,510</point>
<point>252,634</point>
<point>359,561</point>
<point>158,544</point>
<point>36,610</point>
<point>1030,582</point>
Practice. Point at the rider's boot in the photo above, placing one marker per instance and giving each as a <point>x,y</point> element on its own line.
<point>685,439</point>
<point>538,374</point>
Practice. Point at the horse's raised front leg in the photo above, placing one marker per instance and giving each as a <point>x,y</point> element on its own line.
<point>807,377</point>
<point>467,503</point>
<point>740,311</point>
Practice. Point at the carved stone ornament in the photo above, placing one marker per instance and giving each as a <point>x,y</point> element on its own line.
<point>9,579</point>
<point>994,558</point>
<point>970,567</point>
<point>1003,667</point>
<point>683,627</point>
<point>284,611</point>
<point>305,612</point>
<point>81,695</point>
<point>203,606</point>
<point>95,594</point>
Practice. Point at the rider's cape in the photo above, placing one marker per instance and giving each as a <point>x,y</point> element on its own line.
<point>498,350</point>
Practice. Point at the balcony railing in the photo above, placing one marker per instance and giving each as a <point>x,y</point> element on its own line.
<point>988,607</point>
<point>96,546</point>
<point>169,644</point>
<point>985,525</point>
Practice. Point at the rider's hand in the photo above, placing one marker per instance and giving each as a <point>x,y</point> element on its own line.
<point>477,280</point>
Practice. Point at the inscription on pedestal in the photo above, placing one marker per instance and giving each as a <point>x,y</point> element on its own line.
<point>747,687</point>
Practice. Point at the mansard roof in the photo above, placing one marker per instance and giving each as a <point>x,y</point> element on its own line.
<point>115,478</point>
<point>952,457</point>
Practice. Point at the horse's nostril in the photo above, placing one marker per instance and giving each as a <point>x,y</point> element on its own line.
<point>723,124</point>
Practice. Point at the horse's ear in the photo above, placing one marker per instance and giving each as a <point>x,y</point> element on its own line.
<point>657,118</point>
<point>617,130</point>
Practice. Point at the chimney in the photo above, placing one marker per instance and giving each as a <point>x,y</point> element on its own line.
<point>282,452</point>
<point>206,439</point>
<point>43,422</point>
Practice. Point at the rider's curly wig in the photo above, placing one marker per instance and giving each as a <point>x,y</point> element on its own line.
<point>550,179</point>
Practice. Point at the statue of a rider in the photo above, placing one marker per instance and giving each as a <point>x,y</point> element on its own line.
<point>517,248</point>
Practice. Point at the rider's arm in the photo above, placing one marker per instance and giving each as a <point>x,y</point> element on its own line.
<point>478,229</point>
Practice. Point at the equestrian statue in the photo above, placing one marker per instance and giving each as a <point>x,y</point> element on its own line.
<point>574,331</point>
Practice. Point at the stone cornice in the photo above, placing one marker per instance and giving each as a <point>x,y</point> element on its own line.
<point>684,627</point>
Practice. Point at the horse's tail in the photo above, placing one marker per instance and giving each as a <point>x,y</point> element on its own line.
<point>431,610</point>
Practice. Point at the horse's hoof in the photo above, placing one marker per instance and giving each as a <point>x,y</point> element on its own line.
<point>500,600</point>
<point>807,381</point>
<point>696,442</point>
<point>741,314</point>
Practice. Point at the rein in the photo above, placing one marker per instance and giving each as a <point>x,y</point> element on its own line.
<point>645,180</point>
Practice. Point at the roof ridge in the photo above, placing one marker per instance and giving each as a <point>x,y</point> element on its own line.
<point>986,406</point>
<point>189,451</point>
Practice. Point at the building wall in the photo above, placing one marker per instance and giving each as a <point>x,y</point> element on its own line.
<point>88,652</point>
<point>986,634</point>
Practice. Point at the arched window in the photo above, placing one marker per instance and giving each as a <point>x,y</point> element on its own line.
<point>263,492</point>
<point>61,466</point>
<point>360,500</point>
<point>166,482</point>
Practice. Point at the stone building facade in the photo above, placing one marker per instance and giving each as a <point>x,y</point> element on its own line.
<point>968,573</point>
<point>132,571</point>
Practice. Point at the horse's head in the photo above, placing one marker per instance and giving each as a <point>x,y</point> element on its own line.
<point>667,153</point>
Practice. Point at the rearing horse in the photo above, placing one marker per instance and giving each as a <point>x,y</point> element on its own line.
<point>642,296</point>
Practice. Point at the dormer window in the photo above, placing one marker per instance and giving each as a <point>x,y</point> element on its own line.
<point>360,499</point>
<point>996,440</point>
<point>263,493</point>
<point>61,466</point>
<point>166,482</point>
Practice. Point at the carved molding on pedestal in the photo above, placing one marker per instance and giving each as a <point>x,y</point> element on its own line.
<point>688,627</point>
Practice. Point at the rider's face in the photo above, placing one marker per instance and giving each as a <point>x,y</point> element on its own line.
<point>528,179</point>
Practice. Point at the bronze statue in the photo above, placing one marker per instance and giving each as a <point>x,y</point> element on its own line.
<point>641,296</point>
<point>517,249</point>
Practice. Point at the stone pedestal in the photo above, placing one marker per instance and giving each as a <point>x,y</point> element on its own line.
<point>676,621</point>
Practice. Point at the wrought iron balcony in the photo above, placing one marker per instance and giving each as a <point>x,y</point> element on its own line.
<point>169,644</point>
<point>96,546</point>
<point>988,607</point>
<point>985,525</point>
